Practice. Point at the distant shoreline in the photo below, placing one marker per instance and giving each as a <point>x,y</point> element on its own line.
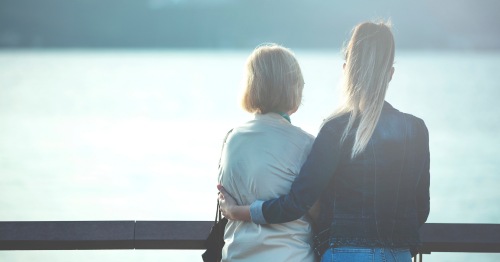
<point>224,24</point>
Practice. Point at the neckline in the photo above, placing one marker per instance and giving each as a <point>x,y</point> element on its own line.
<point>285,116</point>
<point>274,116</point>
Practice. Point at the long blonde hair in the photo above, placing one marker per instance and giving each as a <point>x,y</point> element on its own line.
<point>369,57</point>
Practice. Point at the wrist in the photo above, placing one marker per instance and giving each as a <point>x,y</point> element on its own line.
<point>230,213</point>
<point>240,213</point>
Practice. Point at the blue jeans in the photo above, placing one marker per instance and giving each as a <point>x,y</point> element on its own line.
<point>362,254</point>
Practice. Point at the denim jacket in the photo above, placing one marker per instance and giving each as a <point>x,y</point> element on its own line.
<point>380,198</point>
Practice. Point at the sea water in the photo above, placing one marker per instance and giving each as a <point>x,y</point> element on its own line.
<point>136,135</point>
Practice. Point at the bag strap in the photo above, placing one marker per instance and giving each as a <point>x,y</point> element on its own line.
<point>223,144</point>
<point>217,212</point>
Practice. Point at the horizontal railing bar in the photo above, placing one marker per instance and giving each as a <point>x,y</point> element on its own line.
<point>444,237</point>
<point>171,234</point>
<point>67,235</point>
<point>71,235</point>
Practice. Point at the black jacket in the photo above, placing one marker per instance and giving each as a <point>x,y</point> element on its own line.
<point>380,198</point>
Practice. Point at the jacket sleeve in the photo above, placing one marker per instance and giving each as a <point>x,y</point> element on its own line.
<point>313,178</point>
<point>423,195</point>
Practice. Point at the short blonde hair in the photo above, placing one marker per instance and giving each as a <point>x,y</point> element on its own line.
<point>274,81</point>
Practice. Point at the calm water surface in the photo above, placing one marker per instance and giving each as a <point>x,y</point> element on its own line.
<point>124,135</point>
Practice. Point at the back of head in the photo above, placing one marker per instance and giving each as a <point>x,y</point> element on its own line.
<point>274,81</point>
<point>369,57</point>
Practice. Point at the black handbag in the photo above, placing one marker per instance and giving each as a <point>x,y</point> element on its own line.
<point>215,240</point>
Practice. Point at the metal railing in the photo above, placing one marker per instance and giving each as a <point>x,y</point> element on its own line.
<point>86,235</point>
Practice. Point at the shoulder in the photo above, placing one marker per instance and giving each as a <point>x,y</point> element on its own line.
<point>270,130</point>
<point>300,133</point>
<point>417,121</point>
<point>420,127</point>
<point>417,131</point>
<point>413,123</point>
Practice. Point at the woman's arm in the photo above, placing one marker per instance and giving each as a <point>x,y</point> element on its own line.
<point>313,178</point>
<point>314,211</point>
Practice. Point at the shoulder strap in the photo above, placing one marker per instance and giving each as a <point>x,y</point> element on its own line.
<point>223,144</point>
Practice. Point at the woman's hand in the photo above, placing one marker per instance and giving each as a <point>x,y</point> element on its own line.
<point>230,208</point>
<point>226,202</point>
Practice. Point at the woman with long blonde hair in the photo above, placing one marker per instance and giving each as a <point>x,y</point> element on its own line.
<point>368,167</point>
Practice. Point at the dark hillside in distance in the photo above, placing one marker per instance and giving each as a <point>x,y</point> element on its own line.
<point>218,24</point>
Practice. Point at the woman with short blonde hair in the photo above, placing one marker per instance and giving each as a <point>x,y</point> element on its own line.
<point>262,157</point>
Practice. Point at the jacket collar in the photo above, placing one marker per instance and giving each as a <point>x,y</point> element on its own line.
<point>271,116</point>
